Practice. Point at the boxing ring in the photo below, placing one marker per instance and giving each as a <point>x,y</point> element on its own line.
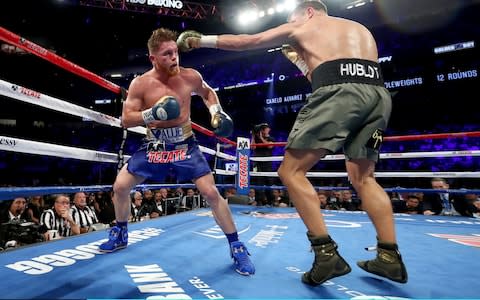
<point>185,256</point>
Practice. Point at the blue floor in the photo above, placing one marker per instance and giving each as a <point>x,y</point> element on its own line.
<point>186,256</point>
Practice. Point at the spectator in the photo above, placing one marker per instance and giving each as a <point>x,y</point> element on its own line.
<point>322,198</point>
<point>91,200</point>
<point>16,211</point>
<point>279,198</point>
<point>136,208</point>
<point>229,192</point>
<point>251,197</point>
<point>179,192</point>
<point>167,204</point>
<point>16,228</point>
<point>149,204</point>
<point>443,203</point>
<point>157,197</point>
<point>187,201</point>
<point>82,214</point>
<point>473,205</point>
<point>35,208</point>
<point>347,202</point>
<point>59,218</point>
<point>104,207</point>
<point>412,205</point>
<point>261,135</point>
<point>334,201</point>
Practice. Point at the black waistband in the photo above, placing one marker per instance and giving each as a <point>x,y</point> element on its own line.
<point>350,70</point>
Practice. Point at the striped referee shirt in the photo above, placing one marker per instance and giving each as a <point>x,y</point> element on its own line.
<point>52,221</point>
<point>85,217</point>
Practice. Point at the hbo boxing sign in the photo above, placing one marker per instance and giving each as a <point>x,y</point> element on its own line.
<point>163,3</point>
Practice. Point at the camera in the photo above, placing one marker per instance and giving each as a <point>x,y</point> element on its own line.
<point>21,231</point>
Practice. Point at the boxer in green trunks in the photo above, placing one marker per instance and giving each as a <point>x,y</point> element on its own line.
<point>349,108</point>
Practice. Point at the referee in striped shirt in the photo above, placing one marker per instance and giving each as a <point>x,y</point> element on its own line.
<point>82,214</point>
<point>59,218</point>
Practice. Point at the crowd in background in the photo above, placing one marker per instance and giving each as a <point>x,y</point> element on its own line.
<point>27,220</point>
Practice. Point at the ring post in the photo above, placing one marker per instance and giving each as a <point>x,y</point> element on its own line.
<point>243,161</point>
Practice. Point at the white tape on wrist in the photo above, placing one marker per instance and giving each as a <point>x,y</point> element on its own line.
<point>214,109</point>
<point>147,116</point>
<point>208,41</point>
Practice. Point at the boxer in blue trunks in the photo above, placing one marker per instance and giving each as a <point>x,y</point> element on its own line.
<point>167,148</point>
<point>349,108</point>
<point>160,99</point>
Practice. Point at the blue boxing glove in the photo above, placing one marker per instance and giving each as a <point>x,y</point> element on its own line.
<point>167,108</point>
<point>222,122</point>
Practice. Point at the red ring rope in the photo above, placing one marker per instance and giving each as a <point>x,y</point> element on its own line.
<point>41,52</point>
<point>399,138</point>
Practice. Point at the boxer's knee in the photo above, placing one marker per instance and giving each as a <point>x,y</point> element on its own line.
<point>212,195</point>
<point>120,190</point>
<point>122,187</point>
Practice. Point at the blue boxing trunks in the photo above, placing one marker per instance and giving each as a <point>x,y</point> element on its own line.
<point>169,148</point>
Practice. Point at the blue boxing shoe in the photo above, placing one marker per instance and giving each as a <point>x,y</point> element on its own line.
<point>242,262</point>
<point>117,239</point>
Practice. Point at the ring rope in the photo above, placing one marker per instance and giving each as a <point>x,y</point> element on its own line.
<point>438,154</point>
<point>53,58</point>
<point>382,174</point>
<point>41,148</point>
<point>12,192</point>
<point>391,189</point>
<point>21,93</point>
<point>33,147</point>
<point>399,138</point>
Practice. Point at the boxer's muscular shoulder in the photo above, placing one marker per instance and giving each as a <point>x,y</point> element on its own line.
<point>143,81</point>
<point>189,73</point>
<point>191,76</point>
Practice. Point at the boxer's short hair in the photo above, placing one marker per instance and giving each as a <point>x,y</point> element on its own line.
<point>315,4</point>
<point>159,36</point>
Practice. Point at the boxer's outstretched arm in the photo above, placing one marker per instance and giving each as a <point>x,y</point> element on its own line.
<point>277,36</point>
<point>266,39</point>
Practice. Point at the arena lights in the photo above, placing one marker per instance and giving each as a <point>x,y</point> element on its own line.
<point>357,3</point>
<point>252,15</point>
